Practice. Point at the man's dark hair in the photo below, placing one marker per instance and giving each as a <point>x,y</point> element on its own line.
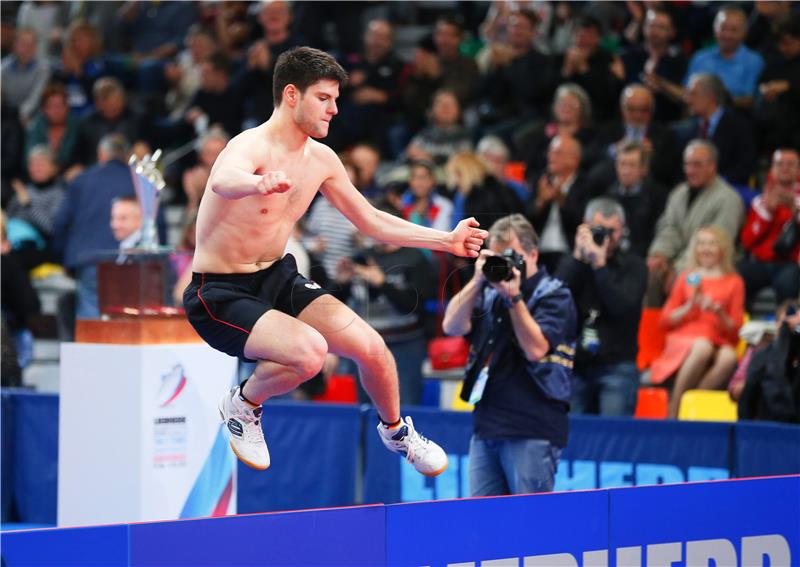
<point>789,25</point>
<point>220,62</point>
<point>302,67</point>
<point>586,21</point>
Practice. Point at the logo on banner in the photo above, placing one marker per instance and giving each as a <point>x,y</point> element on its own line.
<point>172,384</point>
<point>170,429</point>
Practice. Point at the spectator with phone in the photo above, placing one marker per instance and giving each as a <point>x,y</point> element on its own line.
<point>702,316</point>
<point>608,285</point>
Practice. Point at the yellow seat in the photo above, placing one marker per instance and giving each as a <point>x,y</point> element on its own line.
<point>707,405</point>
<point>458,404</point>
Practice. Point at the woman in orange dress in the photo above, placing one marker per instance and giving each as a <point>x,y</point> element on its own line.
<point>702,317</point>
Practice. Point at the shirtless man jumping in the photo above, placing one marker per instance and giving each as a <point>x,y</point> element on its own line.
<point>248,300</point>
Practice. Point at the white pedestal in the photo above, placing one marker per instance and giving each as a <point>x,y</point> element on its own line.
<point>140,436</point>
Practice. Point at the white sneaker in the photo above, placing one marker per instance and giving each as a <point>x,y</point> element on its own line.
<point>244,424</point>
<point>426,456</point>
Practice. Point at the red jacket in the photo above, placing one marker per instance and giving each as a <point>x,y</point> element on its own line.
<point>762,228</point>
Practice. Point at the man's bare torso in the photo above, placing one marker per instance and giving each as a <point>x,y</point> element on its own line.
<point>249,234</point>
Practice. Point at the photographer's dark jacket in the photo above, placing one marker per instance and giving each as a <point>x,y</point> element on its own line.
<point>772,388</point>
<point>615,292</point>
<point>523,399</point>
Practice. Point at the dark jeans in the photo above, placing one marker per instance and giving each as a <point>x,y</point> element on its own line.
<point>784,277</point>
<point>607,389</point>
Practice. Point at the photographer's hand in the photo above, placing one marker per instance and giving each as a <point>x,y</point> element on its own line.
<point>478,276</point>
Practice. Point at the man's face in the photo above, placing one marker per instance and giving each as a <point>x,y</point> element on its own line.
<point>445,109</point>
<point>562,156</point>
<point>637,107</point>
<point>587,39</point>
<point>520,32</point>
<point>785,167</point>
<point>614,226</point>
<point>55,109</point>
<point>630,169</point>
<point>378,38</point>
<point>499,246</point>
<point>729,29</point>
<point>698,166</point>
<point>658,30</point>
<point>275,17</point>
<point>421,182</point>
<point>111,106</point>
<point>126,218</point>
<point>41,168</point>
<point>789,46</point>
<point>25,46</point>
<point>496,162</point>
<point>316,108</point>
<point>367,160</point>
<point>699,101</point>
<point>447,38</point>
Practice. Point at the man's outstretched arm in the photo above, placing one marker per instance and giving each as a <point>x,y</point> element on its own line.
<point>465,240</point>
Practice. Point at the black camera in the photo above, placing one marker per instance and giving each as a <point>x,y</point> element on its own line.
<point>599,234</point>
<point>499,268</point>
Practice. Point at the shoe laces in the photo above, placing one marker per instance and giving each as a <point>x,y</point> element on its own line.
<point>413,444</point>
<point>251,419</point>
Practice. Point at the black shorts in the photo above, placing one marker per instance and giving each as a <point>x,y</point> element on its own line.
<point>223,308</point>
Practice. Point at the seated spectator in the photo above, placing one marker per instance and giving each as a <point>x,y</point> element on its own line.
<point>476,191</point>
<point>183,74</point>
<point>519,78</point>
<point>704,199</point>
<point>388,286</point>
<point>112,114</point>
<point>756,335</point>
<point>24,75</point>
<point>367,161</point>
<point>572,115</point>
<point>37,201</point>
<point>734,63</point>
<point>559,200</point>
<point>495,155</point>
<point>81,65</point>
<point>218,101</point>
<point>642,198</point>
<point>438,66</point>
<point>53,126</point>
<point>445,136</point>
<point>588,65</point>
<point>657,60</point>
<point>81,228</point>
<point>195,178</point>
<point>702,317</point>
<point>637,105</point>
<point>777,110</point>
<point>712,120</point>
<point>772,387</point>
<point>421,204</point>
<point>372,94</point>
<point>608,286</point>
<point>770,260</point>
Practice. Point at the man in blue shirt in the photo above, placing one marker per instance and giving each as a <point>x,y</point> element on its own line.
<point>737,66</point>
<point>522,336</point>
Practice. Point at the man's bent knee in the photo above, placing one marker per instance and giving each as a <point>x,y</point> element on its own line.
<point>310,357</point>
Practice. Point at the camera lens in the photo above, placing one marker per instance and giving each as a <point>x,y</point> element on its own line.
<point>599,234</point>
<point>497,269</point>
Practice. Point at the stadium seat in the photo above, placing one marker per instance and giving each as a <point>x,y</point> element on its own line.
<point>516,170</point>
<point>707,405</point>
<point>651,337</point>
<point>652,403</point>
<point>341,390</point>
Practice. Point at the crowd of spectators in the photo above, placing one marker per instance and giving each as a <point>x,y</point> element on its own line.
<point>673,122</point>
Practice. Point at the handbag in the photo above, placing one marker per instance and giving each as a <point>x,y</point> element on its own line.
<point>448,352</point>
<point>787,239</point>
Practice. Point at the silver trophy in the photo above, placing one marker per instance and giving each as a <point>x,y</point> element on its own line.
<point>148,182</point>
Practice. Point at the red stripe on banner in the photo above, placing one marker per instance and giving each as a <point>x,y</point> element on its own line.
<point>221,509</point>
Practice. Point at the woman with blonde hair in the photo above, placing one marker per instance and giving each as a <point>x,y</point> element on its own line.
<point>703,314</point>
<point>477,193</point>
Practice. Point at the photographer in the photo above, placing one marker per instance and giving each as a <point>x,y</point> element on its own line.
<point>772,387</point>
<point>608,285</point>
<point>520,323</point>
